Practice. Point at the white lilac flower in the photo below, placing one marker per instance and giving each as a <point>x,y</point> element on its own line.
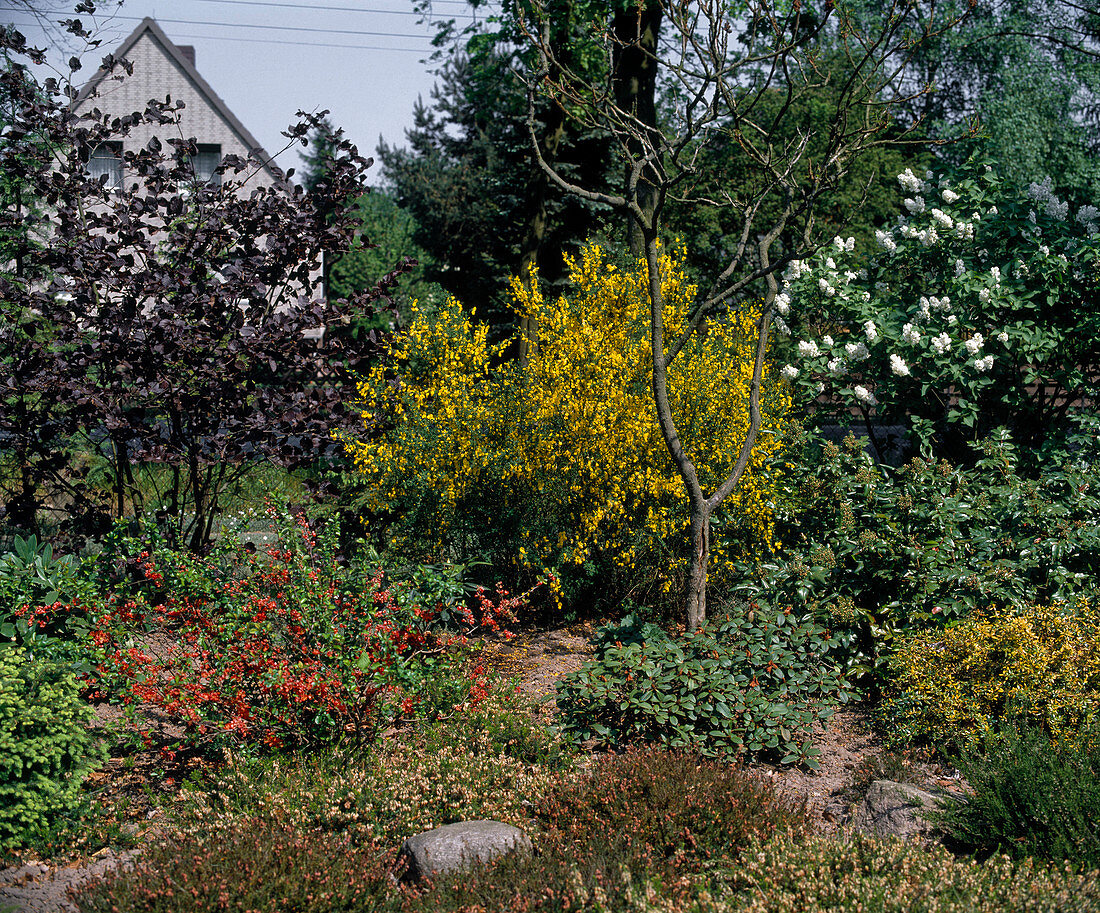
<point>898,366</point>
<point>941,343</point>
<point>925,310</point>
<point>830,263</point>
<point>949,196</point>
<point>862,274</point>
<point>836,366</point>
<point>783,303</point>
<point>790,372</point>
<point>1052,206</point>
<point>910,335</point>
<point>1002,338</point>
<point>794,271</point>
<point>943,218</point>
<point>964,231</point>
<point>928,237</point>
<point>850,245</point>
<point>1044,250</point>
<point>885,241</point>
<point>914,204</point>
<point>1032,216</point>
<point>993,210</point>
<point>983,364</point>
<point>827,340</point>
<point>995,274</point>
<point>864,395</point>
<point>807,348</point>
<point>910,182</point>
<point>781,325</point>
<point>1089,217</point>
<point>838,243</point>
<point>870,331</point>
<point>984,295</point>
<point>952,320</point>
<point>823,284</point>
<point>857,351</point>
<point>960,268</point>
<point>975,344</point>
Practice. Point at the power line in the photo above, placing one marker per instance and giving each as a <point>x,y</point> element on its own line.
<point>301,44</point>
<point>315,6</point>
<point>304,44</point>
<point>278,28</point>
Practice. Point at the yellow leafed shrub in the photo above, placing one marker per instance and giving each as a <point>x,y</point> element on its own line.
<point>1042,666</point>
<point>559,464</point>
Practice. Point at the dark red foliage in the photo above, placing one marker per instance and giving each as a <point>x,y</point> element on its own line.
<point>165,324</point>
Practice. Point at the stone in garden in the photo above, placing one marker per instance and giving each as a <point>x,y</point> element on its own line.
<point>460,846</point>
<point>895,810</point>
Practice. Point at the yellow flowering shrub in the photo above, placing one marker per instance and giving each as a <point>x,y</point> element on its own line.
<point>953,686</point>
<point>559,463</point>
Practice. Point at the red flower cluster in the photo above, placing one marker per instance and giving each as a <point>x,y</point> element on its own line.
<point>270,649</point>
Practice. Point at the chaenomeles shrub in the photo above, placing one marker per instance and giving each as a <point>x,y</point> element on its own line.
<point>558,464</point>
<point>878,552</point>
<point>46,747</point>
<point>282,648</point>
<point>753,681</point>
<point>949,688</point>
<point>1030,797</point>
<point>871,875</point>
<point>252,866</point>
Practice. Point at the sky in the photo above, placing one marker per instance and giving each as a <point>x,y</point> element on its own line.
<point>364,60</point>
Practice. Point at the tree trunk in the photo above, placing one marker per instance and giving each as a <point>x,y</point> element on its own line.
<point>537,190</point>
<point>635,30</point>
<point>700,555</point>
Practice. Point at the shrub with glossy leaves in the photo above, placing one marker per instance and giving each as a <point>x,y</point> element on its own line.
<point>751,682</point>
<point>560,462</point>
<point>877,552</point>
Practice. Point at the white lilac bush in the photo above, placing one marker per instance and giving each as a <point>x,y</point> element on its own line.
<point>979,309</point>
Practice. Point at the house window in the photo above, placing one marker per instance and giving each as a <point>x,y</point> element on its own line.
<point>106,159</point>
<point>205,160</point>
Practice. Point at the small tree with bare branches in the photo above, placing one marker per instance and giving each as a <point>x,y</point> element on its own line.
<point>736,71</point>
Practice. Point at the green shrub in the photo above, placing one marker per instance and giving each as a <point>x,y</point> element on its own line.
<point>950,687</point>
<point>875,552</point>
<point>1029,798</point>
<point>46,748</point>
<point>751,681</point>
<point>251,867</point>
<point>865,875</point>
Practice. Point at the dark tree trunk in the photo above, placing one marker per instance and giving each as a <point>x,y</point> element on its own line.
<point>635,30</point>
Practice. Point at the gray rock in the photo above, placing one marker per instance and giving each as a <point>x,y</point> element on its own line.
<point>896,810</point>
<point>459,846</point>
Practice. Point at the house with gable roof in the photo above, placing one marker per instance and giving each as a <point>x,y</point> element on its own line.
<point>162,69</point>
